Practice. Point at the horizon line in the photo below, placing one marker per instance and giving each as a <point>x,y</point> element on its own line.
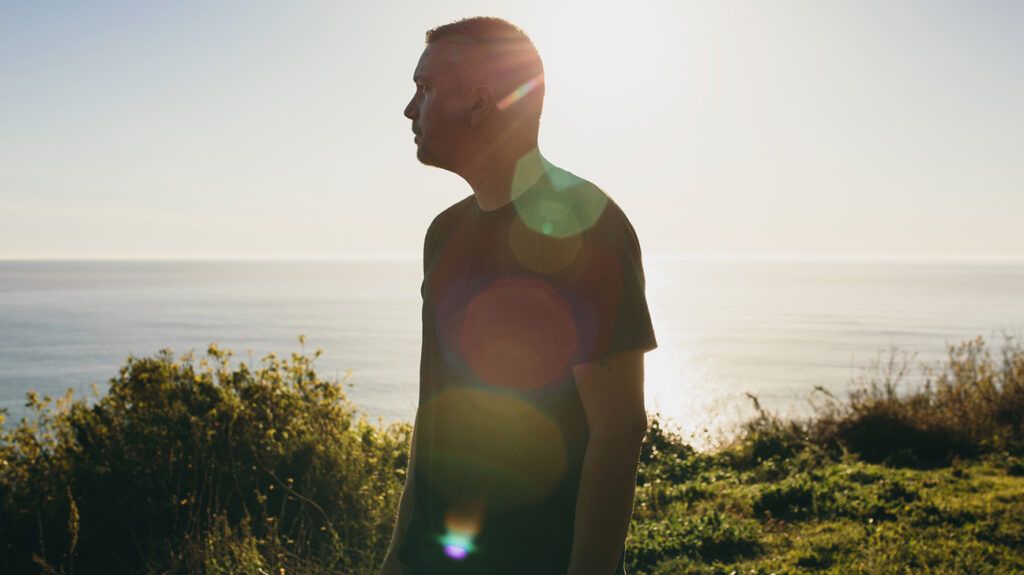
<point>651,257</point>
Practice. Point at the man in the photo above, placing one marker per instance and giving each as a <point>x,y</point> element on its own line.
<point>531,411</point>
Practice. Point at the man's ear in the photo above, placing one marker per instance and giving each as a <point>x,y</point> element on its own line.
<point>481,105</point>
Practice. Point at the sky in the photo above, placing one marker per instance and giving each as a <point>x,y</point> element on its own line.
<point>275,130</point>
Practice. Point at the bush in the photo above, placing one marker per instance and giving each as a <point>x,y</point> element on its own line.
<point>767,437</point>
<point>186,467</point>
<point>969,406</point>
<point>665,456</point>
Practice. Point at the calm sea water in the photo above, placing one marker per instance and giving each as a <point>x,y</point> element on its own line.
<point>773,328</point>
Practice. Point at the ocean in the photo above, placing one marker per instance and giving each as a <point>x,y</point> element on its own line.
<point>775,328</point>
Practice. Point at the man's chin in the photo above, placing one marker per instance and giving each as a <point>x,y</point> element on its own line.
<point>425,158</point>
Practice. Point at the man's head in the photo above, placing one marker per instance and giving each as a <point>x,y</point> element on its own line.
<point>479,87</point>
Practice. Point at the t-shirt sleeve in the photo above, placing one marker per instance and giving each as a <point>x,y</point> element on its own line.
<point>610,307</point>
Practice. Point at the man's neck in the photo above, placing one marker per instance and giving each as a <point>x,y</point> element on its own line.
<point>502,180</point>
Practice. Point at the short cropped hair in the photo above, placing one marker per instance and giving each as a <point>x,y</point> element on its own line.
<point>509,52</point>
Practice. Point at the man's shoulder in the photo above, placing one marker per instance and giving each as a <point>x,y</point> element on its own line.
<point>449,215</point>
<point>566,183</point>
<point>593,210</point>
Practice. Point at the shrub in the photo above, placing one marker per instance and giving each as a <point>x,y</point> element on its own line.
<point>766,437</point>
<point>189,467</point>
<point>665,456</point>
<point>970,405</point>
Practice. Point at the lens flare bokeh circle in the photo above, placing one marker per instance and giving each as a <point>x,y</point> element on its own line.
<point>491,447</point>
<point>573,205</point>
<point>518,334</point>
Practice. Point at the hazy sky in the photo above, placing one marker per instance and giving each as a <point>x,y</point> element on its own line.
<point>270,129</point>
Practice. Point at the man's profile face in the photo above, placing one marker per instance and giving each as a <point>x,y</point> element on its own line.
<point>437,108</point>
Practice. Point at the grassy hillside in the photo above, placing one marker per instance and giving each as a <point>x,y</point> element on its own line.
<point>810,511</point>
<point>195,466</point>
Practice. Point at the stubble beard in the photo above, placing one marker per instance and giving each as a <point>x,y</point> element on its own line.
<point>425,157</point>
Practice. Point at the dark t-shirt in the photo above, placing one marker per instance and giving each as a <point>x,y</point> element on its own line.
<point>512,299</point>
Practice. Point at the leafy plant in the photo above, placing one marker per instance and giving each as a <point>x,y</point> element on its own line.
<point>189,466</point>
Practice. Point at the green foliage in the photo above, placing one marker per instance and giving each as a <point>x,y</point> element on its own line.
<point>189,467</point>
<point>1012,464</point>
<point>972,404</point>
<point>766,437</point>
<point>833,515</point>
<point>665,456</point>
<point>709,535</point>
<point>890,480</point>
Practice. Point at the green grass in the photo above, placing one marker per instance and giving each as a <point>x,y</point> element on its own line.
<point>888,480</point>
<point>814,513</point>
<point>194,466</point>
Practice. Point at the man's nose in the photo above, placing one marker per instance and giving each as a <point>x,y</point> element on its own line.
<point>410,109</point>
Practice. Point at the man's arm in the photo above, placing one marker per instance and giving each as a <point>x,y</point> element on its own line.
<point>612,392</point>
<point>405,505</point>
